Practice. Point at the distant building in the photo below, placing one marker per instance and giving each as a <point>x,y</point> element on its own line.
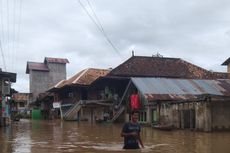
<point>227,62</point>
<point>43,76</point>
<point>6,78</point>
<point>20,102</point>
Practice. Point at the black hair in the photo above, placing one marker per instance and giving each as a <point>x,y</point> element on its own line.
<point>134,111</point>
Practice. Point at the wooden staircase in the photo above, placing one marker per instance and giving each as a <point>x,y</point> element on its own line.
<point>120,105</point>
<point>118,113</point>
<point>71,114</point>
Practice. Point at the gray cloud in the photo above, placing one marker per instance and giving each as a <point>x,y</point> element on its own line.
<point>196,31</point>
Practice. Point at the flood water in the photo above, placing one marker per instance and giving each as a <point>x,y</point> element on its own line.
<point>28,136</point>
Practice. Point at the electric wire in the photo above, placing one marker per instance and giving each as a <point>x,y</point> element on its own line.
<point>14,35</point>
<point>98,24</point>
<point>18,29</point>
<point>2,38</point>
<point>3,56</point>
<point>7,31</point>
<point>10,25</point>
<point>102,29</point>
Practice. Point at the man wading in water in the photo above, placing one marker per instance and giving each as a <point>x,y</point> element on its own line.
<point>131,133</point>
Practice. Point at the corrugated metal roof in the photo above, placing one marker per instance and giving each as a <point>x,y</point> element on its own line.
<point>180,89</point>
<point>56,60</point>
<point>36,66</point>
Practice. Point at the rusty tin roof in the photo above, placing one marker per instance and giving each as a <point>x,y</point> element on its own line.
<point>180,89</point>
<point>36,66</point>
<point>56,60</point>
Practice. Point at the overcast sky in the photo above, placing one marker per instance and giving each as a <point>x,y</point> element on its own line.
<point>197,31</point>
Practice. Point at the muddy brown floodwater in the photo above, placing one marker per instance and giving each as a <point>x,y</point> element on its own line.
<point>27,136</point>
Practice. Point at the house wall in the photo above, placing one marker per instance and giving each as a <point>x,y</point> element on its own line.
<point>209,116</point>
<point>228,68</point>
<point>92,95</point>
<point>198,115</point>
<point>220,115</point>
<point>41,81</point>
<point>203,116</point>
<point>90,113</point>
<point>175,117</point>
<point>57,73</point>
<point>77,96</point>
<point>165,114</point>
<point>19,108</point>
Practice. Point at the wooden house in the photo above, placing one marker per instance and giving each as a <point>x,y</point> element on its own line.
<point>155,69</point>
<point>71,95</point>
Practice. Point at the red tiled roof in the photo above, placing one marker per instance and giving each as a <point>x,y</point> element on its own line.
<point>56,60</point>
<point>84,77</point>
<point>36,66</point>
<point>142,66</point>
<point>60,84</point>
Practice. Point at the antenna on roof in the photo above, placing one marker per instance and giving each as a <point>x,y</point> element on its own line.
<point>132,52</point>
<point>157,55</point>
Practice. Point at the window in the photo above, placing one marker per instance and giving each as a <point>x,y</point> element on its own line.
<point>142,116</point>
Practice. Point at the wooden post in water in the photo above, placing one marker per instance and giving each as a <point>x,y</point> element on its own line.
<point>91,114</point>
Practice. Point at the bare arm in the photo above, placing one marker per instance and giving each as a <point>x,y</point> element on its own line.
<point>140,141</point>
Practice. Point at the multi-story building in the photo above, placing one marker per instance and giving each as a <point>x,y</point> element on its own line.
<point>43,76</point>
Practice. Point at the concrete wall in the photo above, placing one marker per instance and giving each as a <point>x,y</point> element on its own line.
<point>57,73</point>
<point>220,115</point>
<point>41,81</point>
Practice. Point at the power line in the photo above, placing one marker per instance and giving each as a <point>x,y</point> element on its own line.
<point>8,28</point>
<point>2,38</point>
<point>14,34</point>
<point>98,24</point>
<point>98,21</point>
<point>3,57</point>
<point>10,23</point>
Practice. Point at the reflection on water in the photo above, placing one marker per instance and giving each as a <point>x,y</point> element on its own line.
<point>57,137</point>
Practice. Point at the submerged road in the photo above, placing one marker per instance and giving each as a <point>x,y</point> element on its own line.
<point>27,136</point>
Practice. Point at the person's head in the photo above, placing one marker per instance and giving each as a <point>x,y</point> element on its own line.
<point>134,116</point>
